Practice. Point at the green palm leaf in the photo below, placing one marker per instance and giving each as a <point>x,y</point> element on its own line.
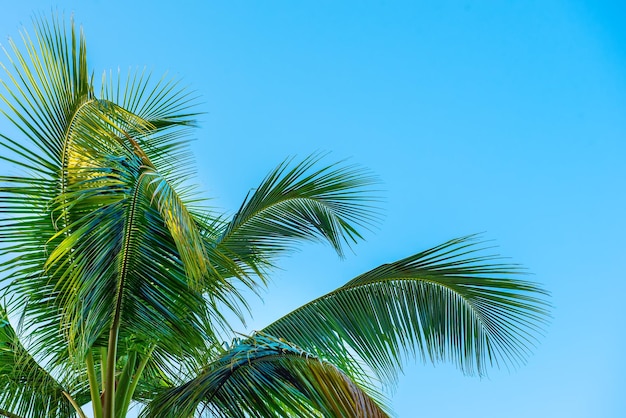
<point>26,388</point>
<point>128,251</point>
<point>298,203</point>
<point>262,376</point>
<point>46,86</point>
<point>66,225</point>
<point>446,303</point>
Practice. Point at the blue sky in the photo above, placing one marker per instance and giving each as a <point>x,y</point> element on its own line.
<point>502,117</point>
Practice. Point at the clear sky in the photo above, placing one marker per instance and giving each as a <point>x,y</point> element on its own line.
<point>506,117</point>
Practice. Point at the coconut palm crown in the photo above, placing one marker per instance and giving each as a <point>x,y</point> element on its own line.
<point>119,288</point>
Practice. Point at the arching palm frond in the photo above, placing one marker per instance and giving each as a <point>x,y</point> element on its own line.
<point>163,103</point>
<point>446,303</point>
<point>262,376</point>
<point>43,87</point>
<point>128,248</point>
<point>26,388</point>
<point>300,203</point>
<point>167,108</point>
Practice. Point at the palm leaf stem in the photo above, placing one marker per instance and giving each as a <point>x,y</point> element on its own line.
<point>124,383</point>
<point>67,138</point>
<point>109,384</point>
<point>103,366</point>
<point>64,153</point>
<point>93,386</point>
<point>134,381</point>
<point>76,406</point>
<point>109,379</point>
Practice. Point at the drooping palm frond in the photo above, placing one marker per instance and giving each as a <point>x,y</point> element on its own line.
<point>126,249</point>
<point>446,303</point>
<point>263,376</point>
<point>26,388</point>
<point>43,87</point>
<point>300,202</point>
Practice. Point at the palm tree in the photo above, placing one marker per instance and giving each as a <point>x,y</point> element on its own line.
<point>118,287</point>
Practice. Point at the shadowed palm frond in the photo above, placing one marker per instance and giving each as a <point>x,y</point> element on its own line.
<point>26,388</point>
<point>446,303</point>
<point>128,250</point>
<point>262,376</point>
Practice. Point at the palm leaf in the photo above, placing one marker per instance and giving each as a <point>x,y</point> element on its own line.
<point>26,388</point>
<point>299,203</point>
<point>262,376</point>
<point>121,255</point>
<point>66,222</point>
<point>446,303</point>
<point>45,86</point>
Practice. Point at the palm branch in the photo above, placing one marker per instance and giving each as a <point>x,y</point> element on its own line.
<point>451,302</point>
<point>299,202</point>
<point>261,376</point>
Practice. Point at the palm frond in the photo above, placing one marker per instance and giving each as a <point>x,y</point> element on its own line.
<point>26,388</point>
<point>164,103</point>
<point>263,376</point>
<point>110,203</point>
<point>44,86</point>
<point>167,108</point>
<point>64,221</point>
<point>297,203</point>
<point>448,303</point>
<point>121,252</point>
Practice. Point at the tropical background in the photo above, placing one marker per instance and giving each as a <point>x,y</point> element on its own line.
<point>503,118</point>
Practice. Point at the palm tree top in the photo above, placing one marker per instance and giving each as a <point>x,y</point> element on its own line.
<point>122,281</point>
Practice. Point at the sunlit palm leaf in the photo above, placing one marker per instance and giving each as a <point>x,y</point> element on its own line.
<point>66,225</point>
<point>298,203</point>
<point>43,88</point>
<point>121,252</point>
<point>266,377</point>
<point>46,85</point>
<point>446,303</point>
